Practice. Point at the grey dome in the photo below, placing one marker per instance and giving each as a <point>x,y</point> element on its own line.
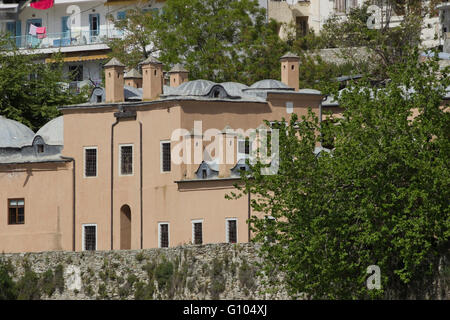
<point>13,134</point>
<point>269,84</point>
<point>309,91</point>
<point>193,88</point>
<point>234,88</point>
<point>53,132</point>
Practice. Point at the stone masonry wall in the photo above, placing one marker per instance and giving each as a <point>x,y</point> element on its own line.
<point>217,271</point>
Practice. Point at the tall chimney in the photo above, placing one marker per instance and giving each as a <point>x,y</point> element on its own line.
<point>152,79</point>
<point>178,75</point>
<point>289,70</point>
<point>114,81</point>
<point>133,79</point>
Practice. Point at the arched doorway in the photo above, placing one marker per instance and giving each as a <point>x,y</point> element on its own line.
<point>125,227</point>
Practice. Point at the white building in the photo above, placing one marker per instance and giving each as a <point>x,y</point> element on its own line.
<point>83,44</point>
<point>313,14</point>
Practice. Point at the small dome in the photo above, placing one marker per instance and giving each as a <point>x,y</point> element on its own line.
<point>52,132</point>
<point>234,88</point>
<point>193,88</point>
<point>13,134</point>
<point>269,84</point>
<point>309,91</point>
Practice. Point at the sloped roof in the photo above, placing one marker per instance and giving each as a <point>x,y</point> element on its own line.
<point>133,73</point>
<point>114,63</point>
<point>151,60</point>
<point>178,68</point>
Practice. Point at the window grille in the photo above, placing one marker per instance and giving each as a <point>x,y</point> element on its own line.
<point>90,165</point>
<point>126,160</point>
<point>198,234</point>
<point>232,231</point>
<point>16,209</point>
<point>164,235</point>
<point>166,160</point>
<point>90,237</point>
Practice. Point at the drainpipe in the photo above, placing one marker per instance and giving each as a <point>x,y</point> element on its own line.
<point>249,214</point>
<point>73,200</point>
<point>141,185</point>
<point>112,181</point>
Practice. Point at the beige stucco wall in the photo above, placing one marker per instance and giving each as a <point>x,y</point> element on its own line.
<point>47,192</point>
<point>163,200</point>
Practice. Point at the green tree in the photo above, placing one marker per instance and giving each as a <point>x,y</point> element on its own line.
<point>219,40</point>
<point>30,91</point>
<point>379,198</point>
<point>382,46</point>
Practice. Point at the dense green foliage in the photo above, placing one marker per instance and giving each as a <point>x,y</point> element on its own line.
<point>31,285</point>
<point>379,198</point>
<point>30,91</point>
<point>219,40</point>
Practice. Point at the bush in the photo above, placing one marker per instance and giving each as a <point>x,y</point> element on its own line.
<point>8,290</point>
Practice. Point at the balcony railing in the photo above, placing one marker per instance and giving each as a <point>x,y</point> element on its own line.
<point>65,39</point>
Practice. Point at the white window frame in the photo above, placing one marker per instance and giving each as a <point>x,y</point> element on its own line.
<point>243,155</point>
<point>193,230</point>
<point>120,159</point>
<point>84,161</point>
<point>161,155</point>
<point>227,238</point>
<point>82,235</point>
<point>159,233</point>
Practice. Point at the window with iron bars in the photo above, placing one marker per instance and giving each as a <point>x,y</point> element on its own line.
<point>165,157</point>
<point>90,237</point>
<point>231,230</point>
<point>126,160</point>
<point>90,162</point>
<point>198,233</point>
<point>164,235</point>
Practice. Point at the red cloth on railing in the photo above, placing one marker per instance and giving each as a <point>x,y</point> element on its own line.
<point>41,32</point>
<point>42,4</point>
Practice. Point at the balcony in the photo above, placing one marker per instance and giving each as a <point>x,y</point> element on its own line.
<point>66,39</point>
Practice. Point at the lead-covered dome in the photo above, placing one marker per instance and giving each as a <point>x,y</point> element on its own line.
<point>53,132</point>
<point>269,84</point>
<point>193,88</point>
<point>13,134</point>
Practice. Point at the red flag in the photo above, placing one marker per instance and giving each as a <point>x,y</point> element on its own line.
<point>42,4</point>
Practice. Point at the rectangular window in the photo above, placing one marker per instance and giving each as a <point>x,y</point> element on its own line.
<point>231,230</point>
<point>197,232</point>
<point>16,210</point>
<point>126,160</point>
<point>76,72</point>
<point>90,162</point>
<point>90,237</point>
<point>163,235</point>
<point>165,156</point>
<point>243,148</point>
